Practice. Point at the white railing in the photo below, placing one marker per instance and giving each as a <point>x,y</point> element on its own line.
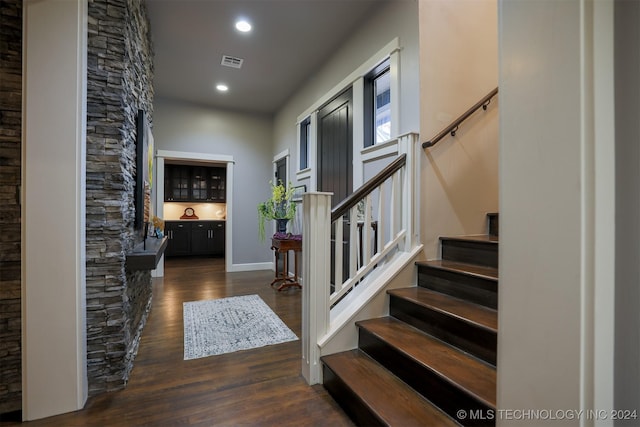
<point>349,251</point>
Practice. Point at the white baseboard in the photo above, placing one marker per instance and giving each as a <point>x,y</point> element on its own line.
<point>251,267</point>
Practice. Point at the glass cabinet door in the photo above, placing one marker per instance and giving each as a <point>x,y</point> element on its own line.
<point>216,184</point>
<point>199,183</point>
<point>176,183</point>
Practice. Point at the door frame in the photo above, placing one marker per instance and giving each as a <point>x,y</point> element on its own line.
<point>283,155</point>
<point>161,156</point>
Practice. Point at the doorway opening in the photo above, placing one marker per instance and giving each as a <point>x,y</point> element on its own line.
<point>195,198</point>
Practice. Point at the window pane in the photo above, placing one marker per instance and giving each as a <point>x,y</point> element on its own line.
<point>382,106</point>
<point>305,129</point>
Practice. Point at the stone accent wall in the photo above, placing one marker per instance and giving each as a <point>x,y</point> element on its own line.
<point>120,73</point>
<point>10,165</point>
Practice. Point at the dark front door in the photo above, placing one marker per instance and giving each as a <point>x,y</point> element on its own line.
<point>335,147</point>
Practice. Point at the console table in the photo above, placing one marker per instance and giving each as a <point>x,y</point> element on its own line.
<point>284,246</point>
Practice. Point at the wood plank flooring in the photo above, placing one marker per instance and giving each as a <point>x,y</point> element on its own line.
<point>259,387</point>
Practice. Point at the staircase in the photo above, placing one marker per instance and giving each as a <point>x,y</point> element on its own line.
<point>431,362</point>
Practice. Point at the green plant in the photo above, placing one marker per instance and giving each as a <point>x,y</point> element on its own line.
<point>278,206</point>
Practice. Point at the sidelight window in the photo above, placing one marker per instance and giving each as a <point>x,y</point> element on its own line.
<point>305,137</point>
<point>377,103</point>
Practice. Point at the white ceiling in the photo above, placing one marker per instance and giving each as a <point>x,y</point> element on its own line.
<point>290,39</point>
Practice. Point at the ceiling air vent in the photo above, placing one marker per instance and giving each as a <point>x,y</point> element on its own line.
<point>231,61</point>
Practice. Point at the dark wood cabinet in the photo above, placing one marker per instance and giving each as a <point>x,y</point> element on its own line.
<point>195,238</point>
<point>184,183</point>
<point>179,235</point>
<point>217,238</point>
<point>200,237</point>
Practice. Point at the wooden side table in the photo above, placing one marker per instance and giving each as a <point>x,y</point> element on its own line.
<point>284,246</point>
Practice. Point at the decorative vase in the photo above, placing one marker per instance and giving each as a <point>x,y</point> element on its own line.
<point>281,225</point>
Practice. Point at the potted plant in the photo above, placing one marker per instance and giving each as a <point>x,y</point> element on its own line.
<point>279,207</point>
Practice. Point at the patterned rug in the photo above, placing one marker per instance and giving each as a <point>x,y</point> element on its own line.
<point>231,324</point>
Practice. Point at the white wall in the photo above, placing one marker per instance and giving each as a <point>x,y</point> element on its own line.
<point>556,207</point>
<point>248,138</point>
<point>53,208</point>
<point>458,66</point>
<point>397,18</point>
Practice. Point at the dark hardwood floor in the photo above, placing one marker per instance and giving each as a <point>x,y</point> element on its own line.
<point>260,387</point>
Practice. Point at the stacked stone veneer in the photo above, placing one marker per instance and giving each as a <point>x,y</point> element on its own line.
<point>119,82</point>
<point>10,158</point>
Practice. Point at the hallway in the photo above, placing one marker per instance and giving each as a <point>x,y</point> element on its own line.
<point>261,387</point>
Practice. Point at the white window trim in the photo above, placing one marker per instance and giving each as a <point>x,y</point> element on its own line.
<point>380,150</point>
<point>356,81</point>
<point>300,172</point>
<point>384,53</point>
<point>306,174</point>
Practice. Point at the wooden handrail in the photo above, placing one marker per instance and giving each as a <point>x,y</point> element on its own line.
<point>453,127</point>
<point>368,187</point>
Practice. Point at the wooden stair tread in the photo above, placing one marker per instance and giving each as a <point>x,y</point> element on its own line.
<point>487,238</point>
<point>450,363</point>
<point>482,272</point>
<point>474,313</point>
<point>367,378</point>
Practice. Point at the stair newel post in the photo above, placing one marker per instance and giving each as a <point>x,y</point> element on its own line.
<point>408,144</point>
<point>316,267</point>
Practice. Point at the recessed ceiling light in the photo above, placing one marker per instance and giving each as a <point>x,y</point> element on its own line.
<point>222,87</point>
<point>243,26</point>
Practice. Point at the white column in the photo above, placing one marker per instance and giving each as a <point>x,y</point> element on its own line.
<point>408,144</point>
<point>316,250</point>
<point>53,211</point>
<point>557,184</point>
<point>228,231</point>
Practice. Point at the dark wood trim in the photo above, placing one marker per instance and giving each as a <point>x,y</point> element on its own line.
<point>453,127</point>
<point>344,206</point>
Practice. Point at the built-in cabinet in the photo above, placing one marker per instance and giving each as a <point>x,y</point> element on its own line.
<point>184,183</point>
<point>195,238</point>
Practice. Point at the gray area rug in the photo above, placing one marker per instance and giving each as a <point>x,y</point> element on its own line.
<point>230,324</point>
